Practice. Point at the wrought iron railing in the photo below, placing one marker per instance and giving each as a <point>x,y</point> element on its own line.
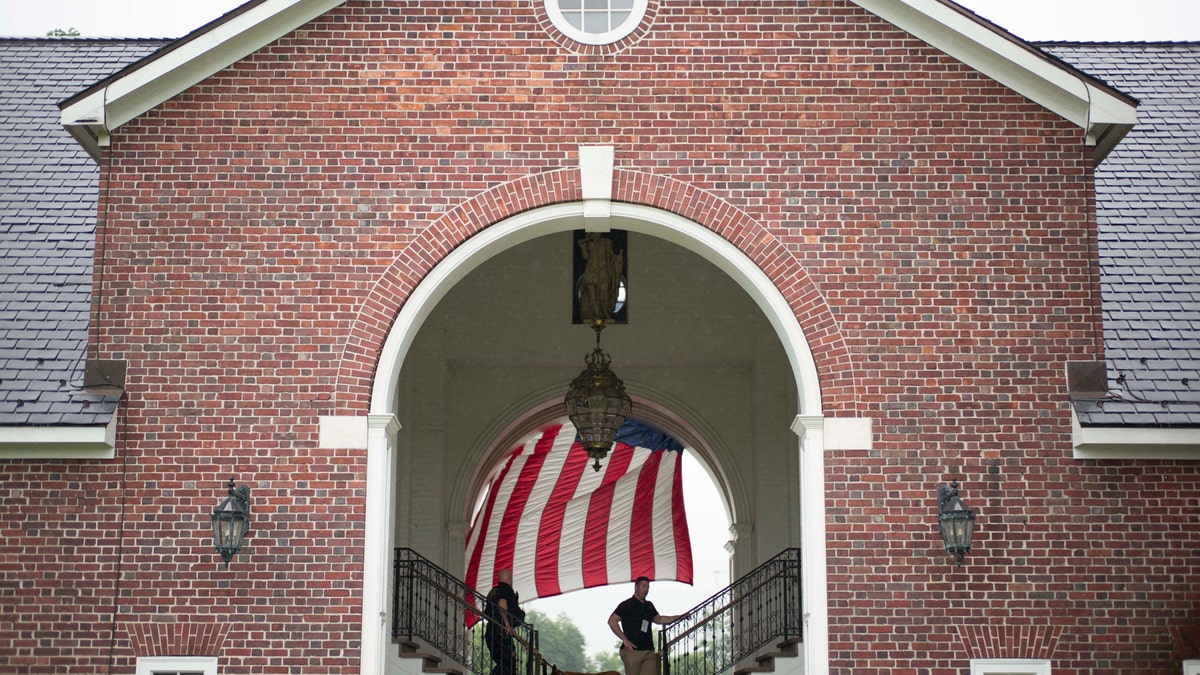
<point>430,604</point>
<point>761,607</point>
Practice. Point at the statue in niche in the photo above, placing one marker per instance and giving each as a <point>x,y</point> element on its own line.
<point>601,280</point>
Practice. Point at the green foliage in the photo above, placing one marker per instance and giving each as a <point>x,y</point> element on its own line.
<point>58,32</point>
<point>562,644</point>
<point>560,641</point>
<point>603,661</point>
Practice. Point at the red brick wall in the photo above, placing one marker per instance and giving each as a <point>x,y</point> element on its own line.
<point>930,228</point>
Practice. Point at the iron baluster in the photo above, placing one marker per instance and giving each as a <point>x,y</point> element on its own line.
<point>737,621</point>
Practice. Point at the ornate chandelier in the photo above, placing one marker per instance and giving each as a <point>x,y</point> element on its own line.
<point>597,403</point>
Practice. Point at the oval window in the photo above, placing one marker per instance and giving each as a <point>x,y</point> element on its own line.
<point>596,22</point>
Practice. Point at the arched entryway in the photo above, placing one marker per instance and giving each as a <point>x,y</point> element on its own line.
<point>531,231</point>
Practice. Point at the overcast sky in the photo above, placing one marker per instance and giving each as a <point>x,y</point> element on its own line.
<point>1109,20</point>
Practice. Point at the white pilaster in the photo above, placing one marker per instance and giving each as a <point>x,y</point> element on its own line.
<point>382,431</point>
<point>811,430</point>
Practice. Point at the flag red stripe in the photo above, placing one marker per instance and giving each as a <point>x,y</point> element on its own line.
<point>550,530</point>
<point>683,540</point>
<point>595,541</point>
<point>506,542</point>
<point>567,528</point>
<point>483,523</point>
<point>641,526</point>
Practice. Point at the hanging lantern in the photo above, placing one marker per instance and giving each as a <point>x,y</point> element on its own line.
<point>597,403</point>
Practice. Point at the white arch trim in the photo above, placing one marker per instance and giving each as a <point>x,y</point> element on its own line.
<point>564,217</point>
<point>381,454</point>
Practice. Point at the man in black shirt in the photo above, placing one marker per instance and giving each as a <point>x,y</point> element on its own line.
<point>504,614</point>
<point>634,617</point>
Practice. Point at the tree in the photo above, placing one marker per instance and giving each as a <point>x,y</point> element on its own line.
<point>603,661</point>
<point>560,641</point>
<point>58,32</point>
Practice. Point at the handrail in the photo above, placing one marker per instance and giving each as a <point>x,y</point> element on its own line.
<point>715,615</point>
<point>731,625</point>
<point>430,604</point>
<point>764,605</point>
<point>470,608</point>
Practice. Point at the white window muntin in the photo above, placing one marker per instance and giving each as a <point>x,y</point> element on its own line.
<point>596,22</point>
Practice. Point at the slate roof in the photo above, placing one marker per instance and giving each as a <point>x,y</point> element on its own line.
<point>1148,211</point>
<point>48,188</point>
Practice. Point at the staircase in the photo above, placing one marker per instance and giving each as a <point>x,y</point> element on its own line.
<point>431,659</point>
<point>763,609</point>
<point>438,619</point>
<point>765,662</point>
<point>744,628</point>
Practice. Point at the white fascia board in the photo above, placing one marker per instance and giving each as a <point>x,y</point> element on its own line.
<point>195,59</point>
<point>1134,442</point>
<point>60,442</point>
<point>1104,116</point>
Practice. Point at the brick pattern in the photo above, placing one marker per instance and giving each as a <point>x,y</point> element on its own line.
<point>991,641</point>
<point>177,638</point>
<point>930,228</point>
<point>1187,642</point>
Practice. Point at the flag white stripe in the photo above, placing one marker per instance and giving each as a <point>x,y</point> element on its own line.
<point>525,556</point>
<point>664,527</point>
<point>487,561</point>
<point>483,538</point>
<point>620,522</point>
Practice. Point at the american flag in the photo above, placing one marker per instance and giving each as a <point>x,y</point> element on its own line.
<point>560,526</point>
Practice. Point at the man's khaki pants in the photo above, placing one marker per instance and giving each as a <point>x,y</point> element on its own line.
<point>640,662</point>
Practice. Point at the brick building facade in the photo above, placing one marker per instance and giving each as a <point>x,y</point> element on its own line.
<point>885,252</point>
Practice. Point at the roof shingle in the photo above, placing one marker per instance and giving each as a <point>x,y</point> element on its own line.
<point>1148,213</point>
<point>47,218</point>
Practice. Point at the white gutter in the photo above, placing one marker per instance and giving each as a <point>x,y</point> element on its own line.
<point>1113,442</point>
<point>94,117</point>
<point>60,442</point>
<point>1104,116</point>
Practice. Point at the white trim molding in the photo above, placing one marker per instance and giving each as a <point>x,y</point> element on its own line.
<point>1010,667</point>
<point>596,181</point>
<point>152,665</point>
<point>60,442</point>
<point>1104,114</point>
<point>1191,667</point>
<point>1112,442</point>
<point>848,433</point>
<point>383,430</point>
<point>343,431</point>
<point>813,576</point>
<point>93,115</point>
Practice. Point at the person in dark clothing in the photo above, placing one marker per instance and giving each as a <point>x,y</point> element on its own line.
<point>631,622</point>
<point>504,615</point>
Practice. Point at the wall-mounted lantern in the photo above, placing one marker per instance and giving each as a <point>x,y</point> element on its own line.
<point>955,520</point>
<point>231,521</point>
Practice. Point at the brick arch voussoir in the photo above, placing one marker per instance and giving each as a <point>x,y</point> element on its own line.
<point>384,302</point>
